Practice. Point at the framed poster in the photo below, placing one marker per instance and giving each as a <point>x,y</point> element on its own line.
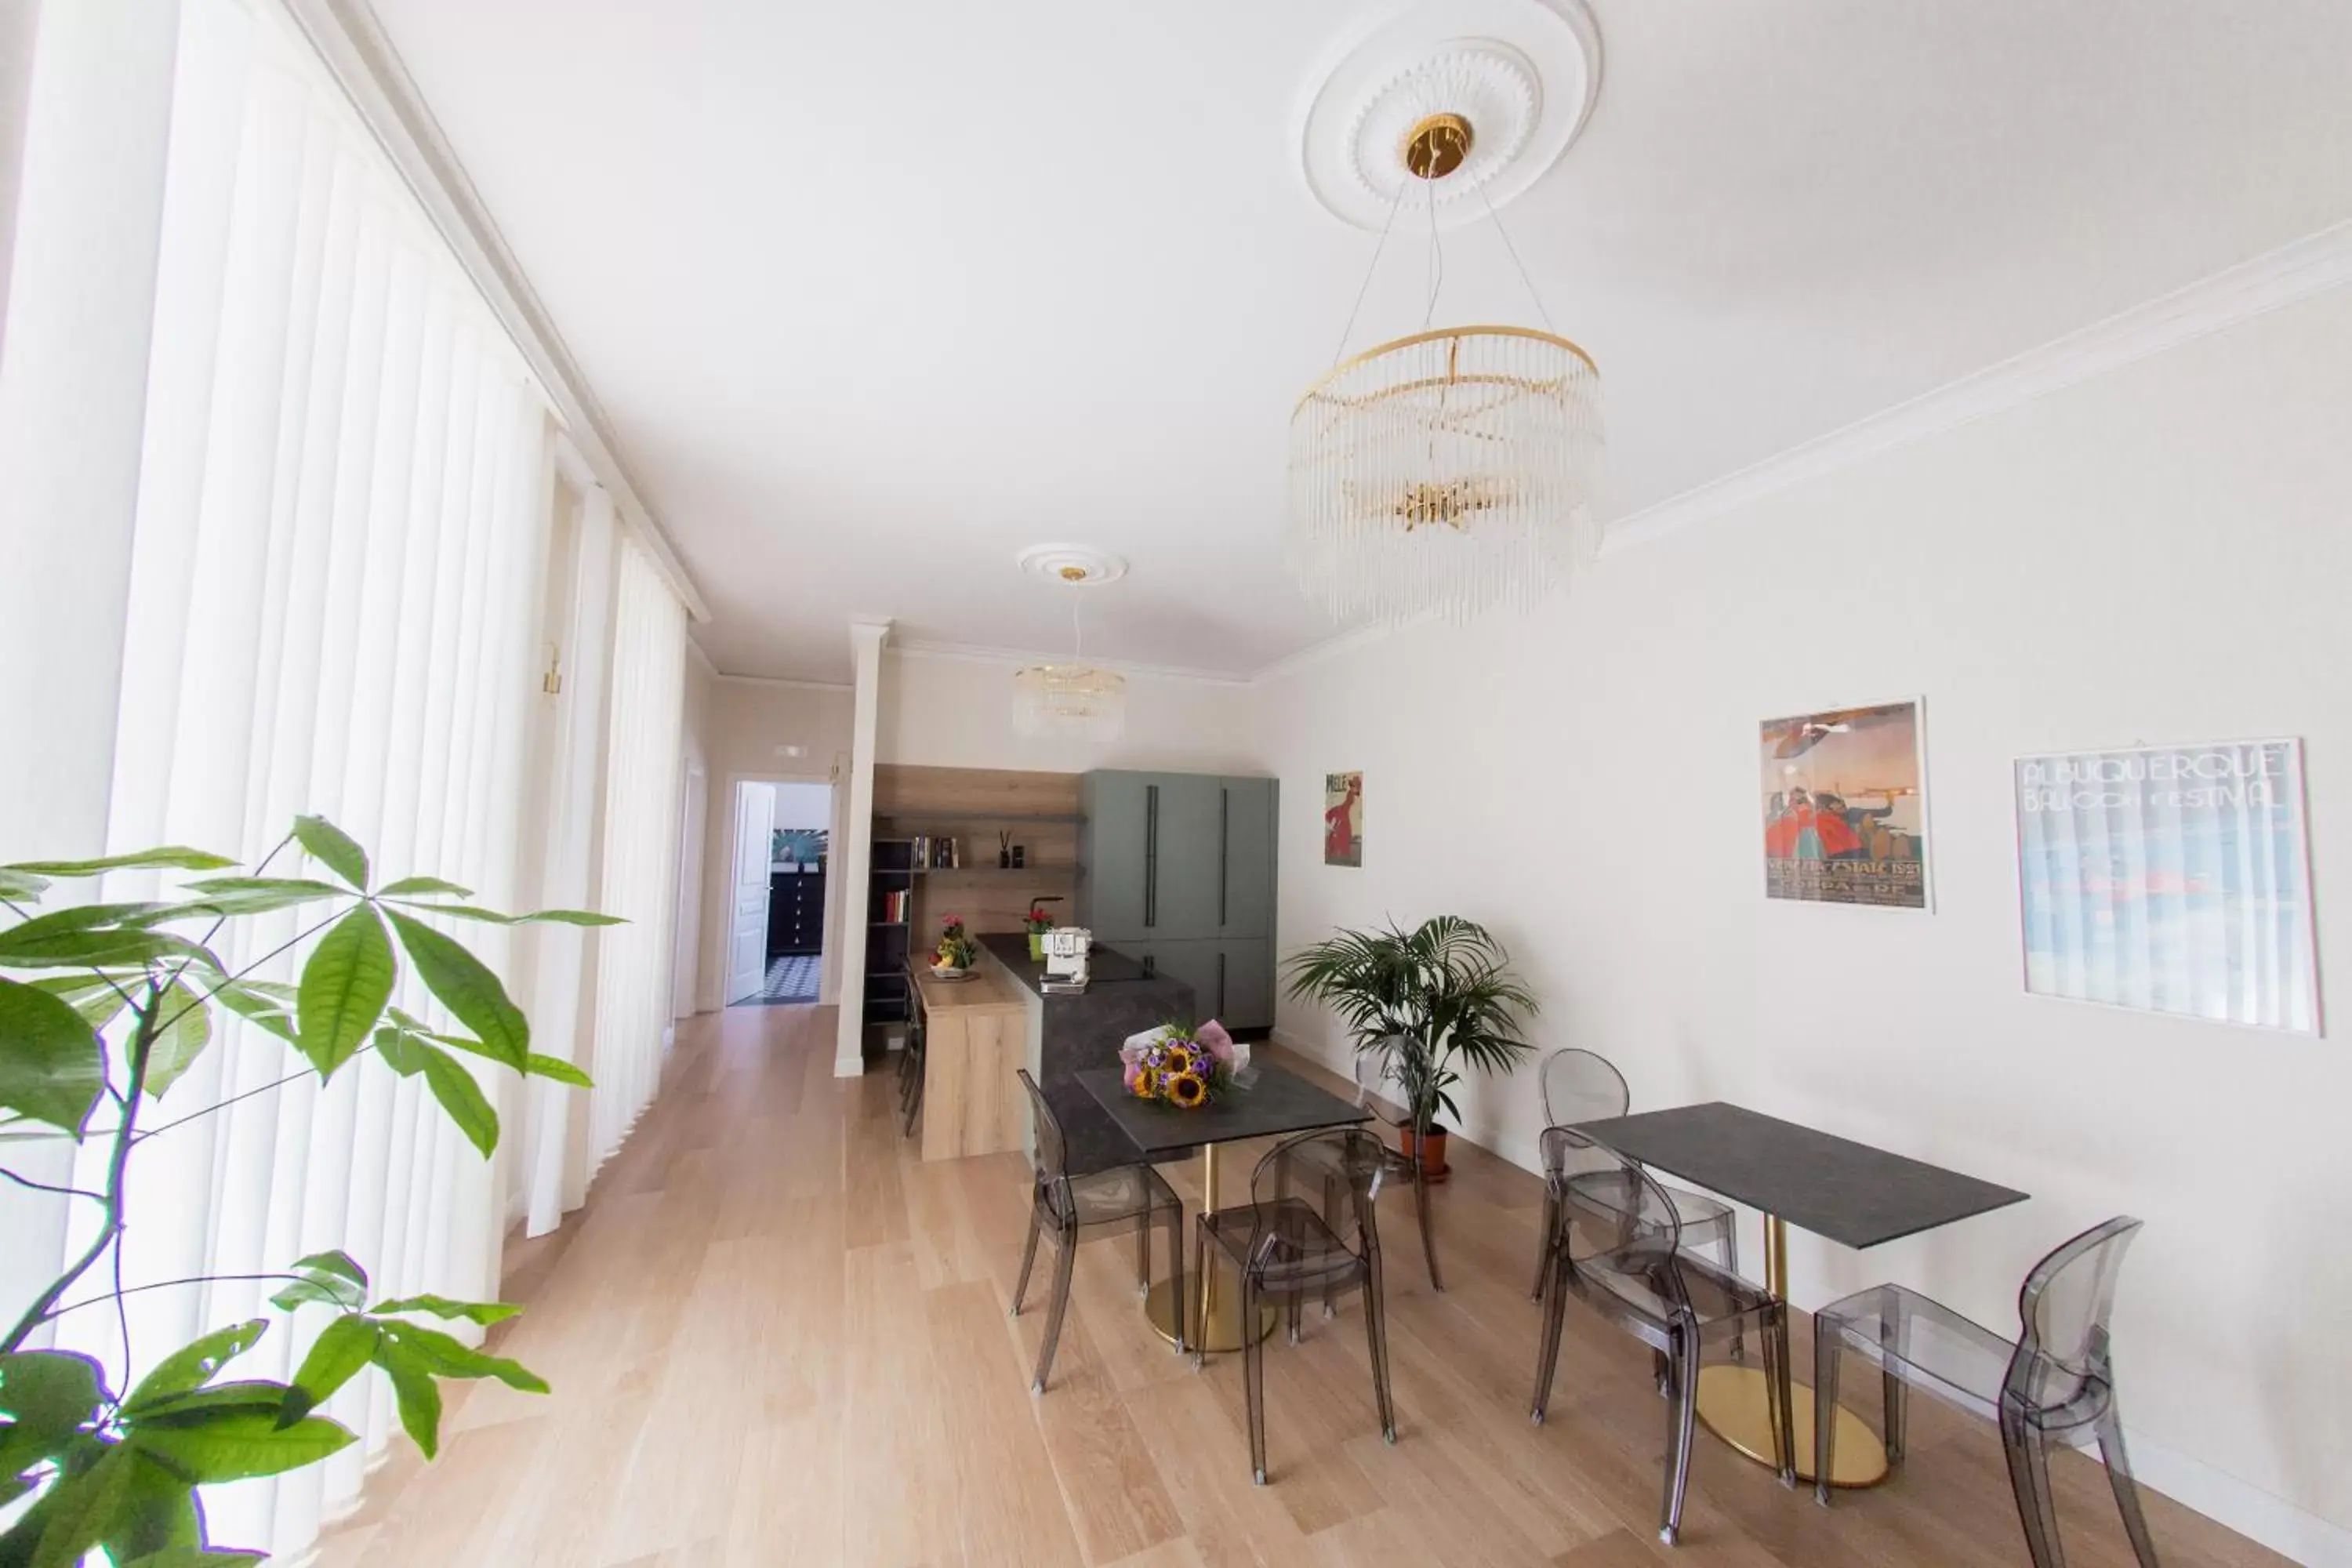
<point>1343,819</point>
<point>1844,807</point>
<point>2170,879</point>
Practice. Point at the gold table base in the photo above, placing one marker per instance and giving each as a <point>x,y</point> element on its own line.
<point>1224,1316</point>
<point>1735,1404</point>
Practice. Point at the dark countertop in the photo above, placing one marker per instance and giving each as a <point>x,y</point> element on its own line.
<point>1830,1185</point>
<point>1086,1031</point>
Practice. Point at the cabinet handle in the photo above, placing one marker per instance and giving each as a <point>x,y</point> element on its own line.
<point>1152,855</point>
<point>1221,985</point>
<point>1225,838</point>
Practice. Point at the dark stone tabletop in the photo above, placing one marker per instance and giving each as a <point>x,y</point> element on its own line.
<point>1830,1185</point>
<point>1276,1103</point>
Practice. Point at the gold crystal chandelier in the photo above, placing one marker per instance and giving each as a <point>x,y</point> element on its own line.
<point>1071,699</point>
<point>1450,470</point>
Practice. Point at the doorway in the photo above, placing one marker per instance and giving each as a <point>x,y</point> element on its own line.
<point>775,937</point>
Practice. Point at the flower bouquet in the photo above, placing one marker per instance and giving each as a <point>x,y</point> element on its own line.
<point>956,952</point>
<point>1037,922</point>
<point>1185,1066</point>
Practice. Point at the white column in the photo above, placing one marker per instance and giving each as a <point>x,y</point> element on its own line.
<point>856,860</point>
<point>85,211</point>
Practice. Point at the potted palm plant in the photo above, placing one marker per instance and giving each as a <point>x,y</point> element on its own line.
<point>1432,1000</point>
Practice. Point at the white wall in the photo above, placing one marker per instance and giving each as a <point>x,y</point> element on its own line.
<point>2162,555</point>
<point>750,727</point>
<point>804,806</point>
<point>955,710</point>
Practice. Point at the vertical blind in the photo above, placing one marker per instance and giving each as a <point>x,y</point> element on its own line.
<point>639,879</point>
<point>340,539</point>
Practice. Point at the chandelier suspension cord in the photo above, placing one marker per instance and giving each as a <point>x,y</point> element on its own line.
<point>1077,633</point>
<point>1366,285</point>
<point>1513,252</point>
<point>1436,260</point>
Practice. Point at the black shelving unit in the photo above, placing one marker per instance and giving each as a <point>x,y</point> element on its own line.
<point>892,870</point>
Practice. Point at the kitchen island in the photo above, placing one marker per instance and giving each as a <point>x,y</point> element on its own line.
<point>1066,1033</point>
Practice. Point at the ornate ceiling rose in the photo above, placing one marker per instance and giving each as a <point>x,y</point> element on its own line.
<point>1522,72</point>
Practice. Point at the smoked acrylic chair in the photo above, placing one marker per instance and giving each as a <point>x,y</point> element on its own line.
<point>2054,1383</point>
<point>1064,1204</point>
<point>1580,1085</point>
<point>1284,1251</point>
<point>1620,1252</point>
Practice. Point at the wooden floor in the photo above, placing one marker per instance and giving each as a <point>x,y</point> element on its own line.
<point>777,1339</point>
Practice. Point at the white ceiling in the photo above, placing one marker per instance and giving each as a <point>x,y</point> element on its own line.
<point>877,294</point>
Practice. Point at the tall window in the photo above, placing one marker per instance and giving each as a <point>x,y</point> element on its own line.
<point>335,596</point>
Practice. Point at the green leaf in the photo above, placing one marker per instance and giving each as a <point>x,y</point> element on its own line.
<point>249,1001</point>
<point>24,947</point>
<point>202,1404</point>
<point>445,1356</point>
<point>462,1097</point>
<point>334,1261</point>
<point>483,1312</point>
<point>187,1030</point>
<point>401,1053</point>
<point>418,1396</point>
<point>335,849</point>
<point>98,998</point>
<point>328,1277</point>
<point>557,1068</point>
<point>407,1023</point>
<point>52,1068</point>
<point>47,1395</point>
<point>193,1364</point>
<point>160,1515</point>
<point>467,987</point>
<point>336,1356</point>
<point>345,985</point>
<point>463,912</point>
<point>175,856</point>
<point>567,918</point>
<point>249,896</point>
<point>85,1505</point>
<point>412,887</point>
<point>236,1444</point>
<point>19,887</point>
<point>198,1557</point>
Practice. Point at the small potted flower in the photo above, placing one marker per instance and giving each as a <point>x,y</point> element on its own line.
<point>1037,923</point>
<point>956,952</point>
<point>1185,1067</point>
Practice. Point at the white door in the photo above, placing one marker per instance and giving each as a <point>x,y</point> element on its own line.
<point>747,933</point>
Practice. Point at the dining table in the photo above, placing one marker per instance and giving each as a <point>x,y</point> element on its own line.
<point>1267,1102</point>
<point>1851,1193</point>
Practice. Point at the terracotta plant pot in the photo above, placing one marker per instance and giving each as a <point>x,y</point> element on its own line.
<point>1433,1166</point>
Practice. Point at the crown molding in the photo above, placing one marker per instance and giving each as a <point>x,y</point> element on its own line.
<point>977,653</point>
<point>2293,272</point>
<point>359,55</point>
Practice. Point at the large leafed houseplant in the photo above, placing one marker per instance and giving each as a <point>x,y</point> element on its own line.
<point>104,1007</point>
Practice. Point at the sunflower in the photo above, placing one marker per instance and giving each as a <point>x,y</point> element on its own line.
<point>1147,1084</point>
<point>1176,1059</point>
<point>1187,1089</point>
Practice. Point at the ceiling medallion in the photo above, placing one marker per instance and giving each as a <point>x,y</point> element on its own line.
<point>1451,469</point>
<point>1525,72</point>
<point>1074,699</point>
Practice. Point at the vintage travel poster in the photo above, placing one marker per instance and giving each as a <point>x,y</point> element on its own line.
<point>2173,879</point>
<point>1343,819</point>
<point>1844,807</point>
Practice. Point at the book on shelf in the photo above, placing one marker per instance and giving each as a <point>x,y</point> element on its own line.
<point>895,906</point>
<point>938,852</point>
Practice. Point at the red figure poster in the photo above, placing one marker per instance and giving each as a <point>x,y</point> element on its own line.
<point>1343,819</point>
<point>1844,811</point>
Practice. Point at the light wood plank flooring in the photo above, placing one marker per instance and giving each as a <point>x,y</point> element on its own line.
<point>777,1338</point>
